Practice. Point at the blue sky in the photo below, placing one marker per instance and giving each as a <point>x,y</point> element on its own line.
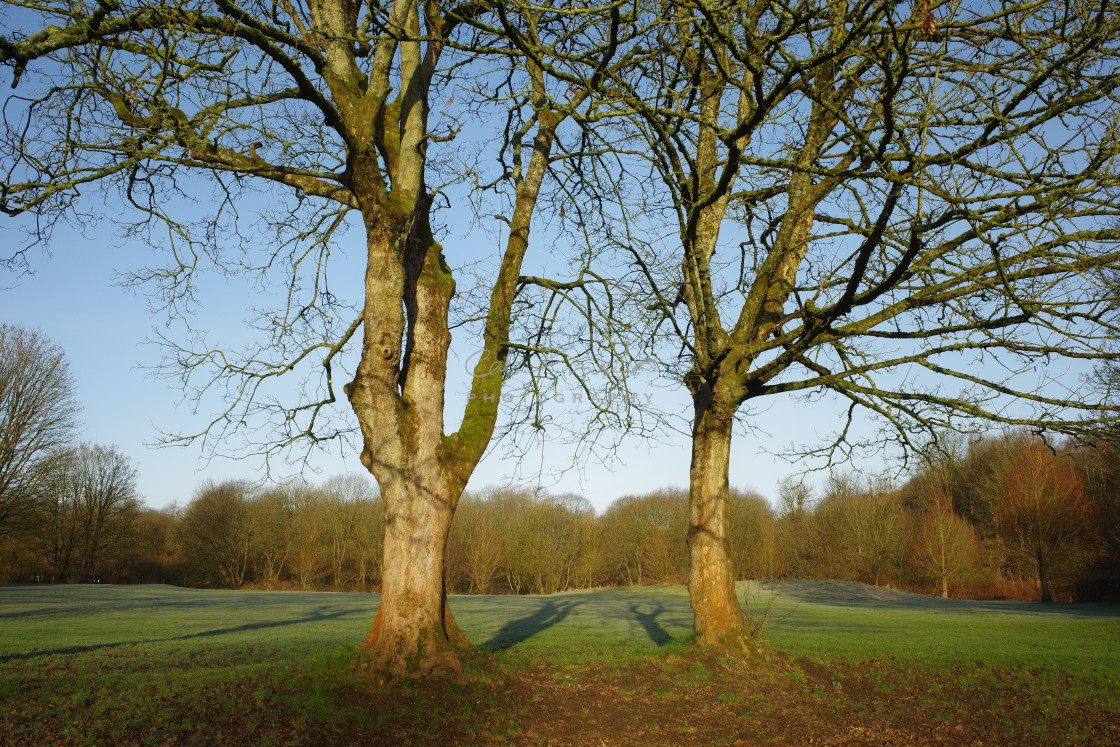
<point>73,295</point>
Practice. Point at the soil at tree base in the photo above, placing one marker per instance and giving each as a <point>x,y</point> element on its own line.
<point>700,698</point>
<point>693,697</point>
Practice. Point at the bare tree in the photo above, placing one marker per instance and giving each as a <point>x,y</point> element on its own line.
<point>57,522</point>
<point>795,528</point>
<point>109,503</point>
<point>38,414</point>
<point>748,517</point>
<point>155,557</point>
<point>946,548</point>
<point>218,533</point>
<point>367,541</point>
<point>645,534</point>
<point>340,499</point>
<point>909,206</point>
<point>482,555</point>
<point>979,481</point>
<point>1100,465</point>
<point>87,510</point>
<point>273,518</point>
<point>309,558</point>
<point>1044,514</point>
<point>336,109</point>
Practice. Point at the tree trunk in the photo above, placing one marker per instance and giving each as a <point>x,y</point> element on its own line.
<point>1043,580</point>
<point>400,408</point>
<point>414,633</point>
<point>711,580</point>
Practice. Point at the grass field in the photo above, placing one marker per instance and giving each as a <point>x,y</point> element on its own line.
<point>851,665</point>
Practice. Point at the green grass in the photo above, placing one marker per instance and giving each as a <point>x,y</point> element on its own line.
<point>1079,639</point>
<point>98,664</point>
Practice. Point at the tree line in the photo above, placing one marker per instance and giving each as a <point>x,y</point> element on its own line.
<point>1001,508</point>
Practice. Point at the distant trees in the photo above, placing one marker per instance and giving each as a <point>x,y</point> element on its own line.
<point>946,549</point>
<point>272,513</point>
<point>341,500</point>
<point>86,513</point>
<point>1044,515</point>
<point>155,556</point>
<point>646,534</point>
<point>308,560</point>
<point>218,533</point>
<point>1100,465</point>
<point>535,542</point>
<point>38,415</point>
<point>476,548</point>
<point>952,528</point>
<point>754,544</point>
<point>233,533</point>
<point>855,531</point>
<point>1008,505</point>
<point>66,512</point>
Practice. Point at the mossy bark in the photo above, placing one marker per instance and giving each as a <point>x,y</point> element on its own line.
<point>398,396</point>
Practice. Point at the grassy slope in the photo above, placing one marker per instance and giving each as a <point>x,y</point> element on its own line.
<point>152,663</point>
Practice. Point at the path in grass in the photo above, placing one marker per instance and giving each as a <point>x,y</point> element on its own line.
<point>159,664</point>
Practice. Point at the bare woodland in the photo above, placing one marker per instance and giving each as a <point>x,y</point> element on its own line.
<point>907,208</point>
<point>968,527</point>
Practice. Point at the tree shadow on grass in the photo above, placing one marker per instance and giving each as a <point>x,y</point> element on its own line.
<point>549,613</point>
<point>313,617</point>
<point>648,620</point>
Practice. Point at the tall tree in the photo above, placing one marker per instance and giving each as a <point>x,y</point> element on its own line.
<point>335,108</point>
<point>87,510</point>
<point>946,549</point>
<point>110,505</point>
<point>38,414</point>
<point>908,205</point>
<point>1044,514</point>
<point>219,534</point>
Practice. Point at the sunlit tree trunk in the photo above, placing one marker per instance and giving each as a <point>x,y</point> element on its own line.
<point>414,631</point>
<point>711,579</point>
<point>400,410</point>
